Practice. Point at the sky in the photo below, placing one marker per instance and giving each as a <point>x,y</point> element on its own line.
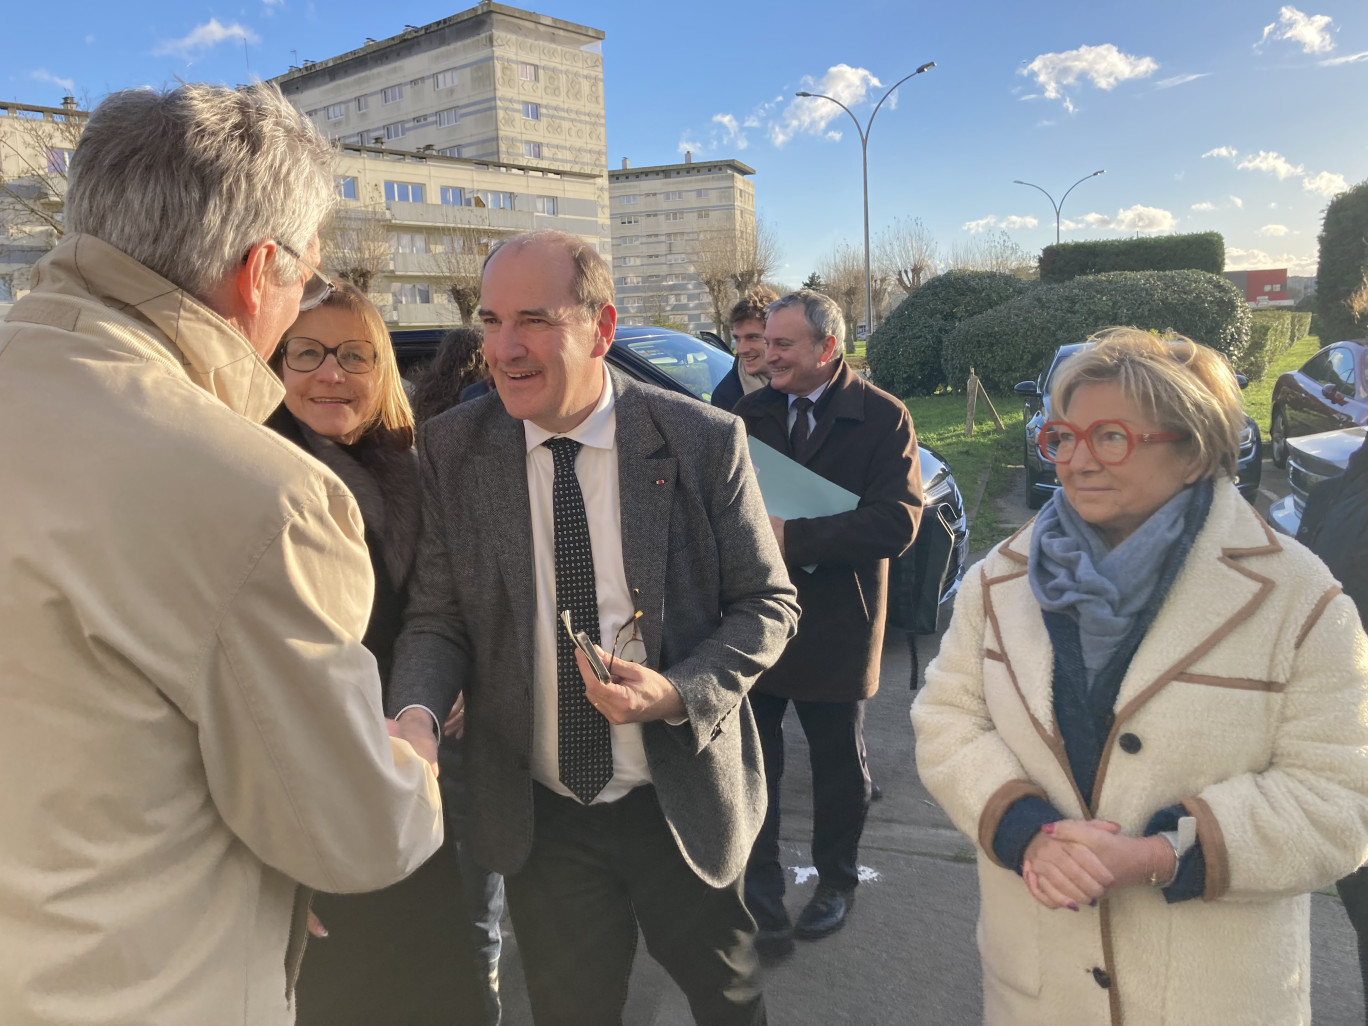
<point>1239,116</point>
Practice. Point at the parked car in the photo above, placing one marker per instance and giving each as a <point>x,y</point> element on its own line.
<point>1327,392</point>
<point>1041,481</point>
<point>693,366</point>
<point>1310,460</point>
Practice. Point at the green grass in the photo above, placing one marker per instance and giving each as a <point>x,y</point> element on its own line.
<point>1258,397</point>
<point>989,461</point>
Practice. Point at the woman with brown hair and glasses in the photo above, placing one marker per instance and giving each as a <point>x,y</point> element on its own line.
<point>1150,714</point>
<point>402,954</point>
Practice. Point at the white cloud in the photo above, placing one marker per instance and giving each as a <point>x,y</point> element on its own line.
<point>688,144</point>
<point>1271,162</point>
<point>1177,80</point>
<point>1311,31</point>
<point>204,37</point>
<point>1273,230</point>
<point>1104,66</point>
<point>1011,221</point>
<point>1352,58</point>
<point>974,227</point>
<point>1237,201</point>
<point>1248,259</point>
<point>812,114</point>
<point>1229,152</point>
<point>1204,206</point>
<point>1327,183</point>
<point>833,136</point>
<point>43,75</point>
<point>1019,221</point>
<point>733,135</point>
<point>1133,219</point>
<point>1045,123</point>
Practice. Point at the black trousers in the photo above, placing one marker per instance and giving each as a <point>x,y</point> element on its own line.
<point>595,874</point>
<point>840,799</point>
<point>1353,891</point>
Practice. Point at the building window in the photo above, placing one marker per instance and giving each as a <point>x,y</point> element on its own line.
<point>335,111</point>
<point>629,261</point>
<point>447,118</point>
<point>627,201</point>
<point>544,205</point>
<point>527,72</point>
<point>630,219</point>
<point>452,196</point>
<point>703,215</point>
<point>6,290</point>
<point>444,79</point>
<point>630,279</point>
<point>409,292</point>
<point>531,112</point>
<point>58,160</point>
<point>362,103</point>
<point>403,192</point>
<point>408,242</point>
<point>702,194</point>
<point>532,149</point>
<point>674,196</point>
<point>674,215</point>
<point>676,258</point>
<point>395,130</point>
<point>392,95</point>
<point>450,151</point>
<point>346,187</point>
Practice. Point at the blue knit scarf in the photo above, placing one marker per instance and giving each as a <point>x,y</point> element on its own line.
<point>1073,570</point>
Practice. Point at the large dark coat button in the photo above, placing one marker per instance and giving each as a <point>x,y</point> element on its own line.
<point>1102,977</point>
<point>1130,744</point>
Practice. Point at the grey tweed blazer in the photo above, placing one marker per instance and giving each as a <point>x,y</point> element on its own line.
<point>718,608</point>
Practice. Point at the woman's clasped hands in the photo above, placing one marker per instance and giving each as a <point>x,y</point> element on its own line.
<point>1076,862</point>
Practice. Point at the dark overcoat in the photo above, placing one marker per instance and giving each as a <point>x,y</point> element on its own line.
<point>864,442</point>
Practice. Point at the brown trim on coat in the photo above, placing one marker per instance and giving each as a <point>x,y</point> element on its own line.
<point>996,807</point>
<point>1315,614</point>
<point>1052,738</point>
<point>1109,961</point>
<point>1266,586</point>
<point>995,655</point>
<point>1214,851</point>
<point>1011,553</point>
<point>1238,683</point>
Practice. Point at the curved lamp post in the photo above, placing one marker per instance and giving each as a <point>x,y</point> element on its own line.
<point>864,156</point>
<point>1060,205</point>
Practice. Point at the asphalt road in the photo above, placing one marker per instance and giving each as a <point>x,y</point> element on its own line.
<point>907,953</point>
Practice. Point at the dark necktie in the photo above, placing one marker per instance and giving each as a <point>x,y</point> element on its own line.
<point>584,748</point>
<point>801,431</point>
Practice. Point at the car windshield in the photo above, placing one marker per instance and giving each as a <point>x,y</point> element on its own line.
<point>693,363</point>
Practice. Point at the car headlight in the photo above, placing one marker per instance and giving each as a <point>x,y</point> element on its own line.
<point>1246,435</point>
<point>940,488</point>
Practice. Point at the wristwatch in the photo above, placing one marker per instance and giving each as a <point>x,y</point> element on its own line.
<point>1182,841</point>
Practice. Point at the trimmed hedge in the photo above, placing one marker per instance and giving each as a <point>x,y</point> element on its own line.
<point>905,350</point>
<point>1011,342</point>
<point>1343,270</point>
<point>1200,251</point>
<point>1270,335</point>
<point>1301,326</point>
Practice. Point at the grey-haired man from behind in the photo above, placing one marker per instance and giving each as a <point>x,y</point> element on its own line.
<point>192,727</point>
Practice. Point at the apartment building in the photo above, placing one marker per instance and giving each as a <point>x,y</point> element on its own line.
<point>492,84</point>
<point>36,144</point>
<point>671,225</point>
<point>413,228</point>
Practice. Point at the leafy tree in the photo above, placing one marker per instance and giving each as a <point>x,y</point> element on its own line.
<point>1342,277</point>
<point>814,282</point>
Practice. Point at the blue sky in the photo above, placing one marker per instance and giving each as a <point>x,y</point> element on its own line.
<point>1241,116</point>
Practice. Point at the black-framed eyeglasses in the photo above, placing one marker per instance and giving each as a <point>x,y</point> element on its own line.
<point>305,355</point>
<point>317,288</point>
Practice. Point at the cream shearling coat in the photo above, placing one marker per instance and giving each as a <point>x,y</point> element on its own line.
<point>1249,696</point>
<point>191,728</point>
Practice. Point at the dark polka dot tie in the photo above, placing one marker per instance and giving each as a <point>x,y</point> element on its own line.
<point>801,430</point>
<point>584,749</point>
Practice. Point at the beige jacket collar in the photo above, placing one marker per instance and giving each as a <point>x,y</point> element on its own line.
<point>214,354</point>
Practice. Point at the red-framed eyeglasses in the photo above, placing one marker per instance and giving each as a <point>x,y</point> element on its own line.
<point>1110,441</point>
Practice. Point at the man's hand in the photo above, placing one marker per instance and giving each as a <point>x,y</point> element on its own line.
<point>315,926</point>
<point>415,727</point>
<point>637,694</point>
<point>777,525</point>
<point>455,721</point>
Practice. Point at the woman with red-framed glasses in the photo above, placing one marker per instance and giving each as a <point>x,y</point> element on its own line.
<point>1150,714</point>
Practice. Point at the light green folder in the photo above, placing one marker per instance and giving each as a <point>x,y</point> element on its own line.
<point>791,491</point>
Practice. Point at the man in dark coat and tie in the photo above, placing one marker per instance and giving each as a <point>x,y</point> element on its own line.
<point>611,805</point>
<point>818,412</point>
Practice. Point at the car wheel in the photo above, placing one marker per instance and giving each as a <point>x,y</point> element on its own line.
<point>1277,437</point>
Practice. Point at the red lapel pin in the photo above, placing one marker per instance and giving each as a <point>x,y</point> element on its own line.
<point>661,481</point>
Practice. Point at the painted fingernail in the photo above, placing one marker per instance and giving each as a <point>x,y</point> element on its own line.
<point>1073,905</point>
<point>1093,903</point>
<point>1048,828</point>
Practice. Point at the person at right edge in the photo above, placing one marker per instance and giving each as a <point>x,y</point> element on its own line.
<point>1334,526</point>
<point>820,413</point>
<point>1149,711</point>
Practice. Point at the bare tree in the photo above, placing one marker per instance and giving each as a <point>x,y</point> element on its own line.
<point>757,254</point>
<point>715,266</point>
<point>355,243</point>
<point>466,238</point>
<point>656,310</point>
<point>843,272</point>
<point>993,251</point>
<point>905,253</point>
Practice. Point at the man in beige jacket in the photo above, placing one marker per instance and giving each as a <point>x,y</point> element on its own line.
<point>191,733</point>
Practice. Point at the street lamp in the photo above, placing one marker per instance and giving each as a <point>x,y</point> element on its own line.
<point>864,156</point>
<point>1060,205</point>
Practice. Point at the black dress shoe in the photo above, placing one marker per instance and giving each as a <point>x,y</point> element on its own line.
<point>774,945</point>
<point>825,913</point>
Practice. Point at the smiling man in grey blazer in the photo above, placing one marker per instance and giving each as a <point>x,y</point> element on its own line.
<point>634,802</point>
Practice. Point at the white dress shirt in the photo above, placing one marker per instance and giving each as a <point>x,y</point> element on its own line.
<point>812,410</point>
<point>597,469</point>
